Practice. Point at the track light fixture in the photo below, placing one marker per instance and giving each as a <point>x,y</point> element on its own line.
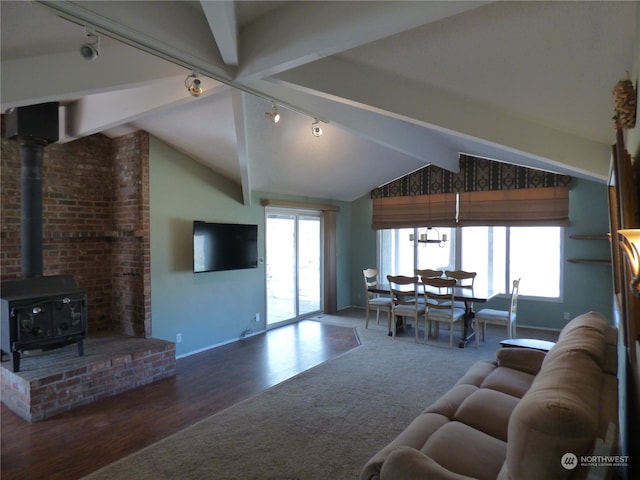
<point>192,83</point>
<point>315,128</point>
<point>90,49</point>
<point>273,115</point>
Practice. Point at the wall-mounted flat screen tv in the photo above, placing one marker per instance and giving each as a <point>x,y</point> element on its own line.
<point>224,246</point>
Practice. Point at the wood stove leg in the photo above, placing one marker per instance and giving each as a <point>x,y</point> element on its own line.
<point>80,348</point>
<point>15,361</point>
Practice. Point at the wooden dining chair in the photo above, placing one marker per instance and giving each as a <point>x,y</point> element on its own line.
<point>440,307</point>
<point>428,273</point>
<point>374,300</point>
<point>463,279</point>
<point>500,317</point>
<point>404,301</point>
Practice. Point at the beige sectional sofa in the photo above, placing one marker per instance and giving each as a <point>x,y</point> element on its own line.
<point>515,417</point>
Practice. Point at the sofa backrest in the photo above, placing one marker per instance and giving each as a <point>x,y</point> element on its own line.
<point>586,333</point>
<point>569,404</point>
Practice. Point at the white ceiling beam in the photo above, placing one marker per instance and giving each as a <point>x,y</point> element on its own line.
<point>421,142</point>
<point>137,24</point>
<point>306,31</point>
<point>221,16</point>
<point>69,77</point>
<point>407,138</point>
<point>103,111</point>
<point>440,110</point>
<point>237,99</point>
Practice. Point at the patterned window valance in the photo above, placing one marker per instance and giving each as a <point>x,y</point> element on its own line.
<point>484,192</point>
<point>475,175</point>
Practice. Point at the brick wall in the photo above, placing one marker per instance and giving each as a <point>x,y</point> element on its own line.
<point>131,254</point>
<point>95,224</point>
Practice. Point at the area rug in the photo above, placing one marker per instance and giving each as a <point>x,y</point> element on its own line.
<point>324,423</point>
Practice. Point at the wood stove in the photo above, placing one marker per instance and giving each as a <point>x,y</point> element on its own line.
<point>37,312</point>
<point>41,313</point>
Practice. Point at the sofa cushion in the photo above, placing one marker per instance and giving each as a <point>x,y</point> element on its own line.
<point>488,411</point>
<point>449,403</point>
<point>406,463</point>
<point>525,359</point>
<point>466,451</point>
<point>414,435</point>
<point>558,415</point>
<point>509,381</point>
<point>478,372</point>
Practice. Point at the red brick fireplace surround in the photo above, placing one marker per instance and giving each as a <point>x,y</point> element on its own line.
<point>95,203</point>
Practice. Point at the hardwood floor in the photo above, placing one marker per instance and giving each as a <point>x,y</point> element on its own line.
<point>76,443</point>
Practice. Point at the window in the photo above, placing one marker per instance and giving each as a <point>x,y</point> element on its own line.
<point>400,256</point>
<point>498,254</point>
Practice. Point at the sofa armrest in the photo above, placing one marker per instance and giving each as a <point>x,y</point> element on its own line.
<point>406,463</point>
<point>524,359</point>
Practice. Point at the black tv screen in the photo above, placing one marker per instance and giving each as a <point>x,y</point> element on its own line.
<point>224,246</point>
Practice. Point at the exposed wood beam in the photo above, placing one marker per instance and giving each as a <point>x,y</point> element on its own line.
<point>378,126</point>
<point>306,31</point>
<point>188,48</point>
<point>447,113</point>
<point>99,112</point>
<point>221,16</point>
<point>69,77</point>
<point>241,136</point>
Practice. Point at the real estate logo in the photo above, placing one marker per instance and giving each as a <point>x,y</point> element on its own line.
<point>569,461</point>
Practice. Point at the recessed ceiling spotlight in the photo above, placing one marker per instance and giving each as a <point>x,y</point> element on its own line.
<point>315,129</point>
<point>273,115</point>
<point>192,83</point>
<point>90,49</point>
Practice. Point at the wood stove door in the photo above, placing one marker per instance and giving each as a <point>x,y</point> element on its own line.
<point>47,321</point>
<point>67,316</point>
<point>33,323</point>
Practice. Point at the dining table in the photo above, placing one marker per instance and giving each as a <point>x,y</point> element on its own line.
<point>466,294</point>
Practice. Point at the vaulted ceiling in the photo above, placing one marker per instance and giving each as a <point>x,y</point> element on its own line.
<point>395,85</point>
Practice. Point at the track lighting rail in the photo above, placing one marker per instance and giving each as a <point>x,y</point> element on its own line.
<point>81,16</point>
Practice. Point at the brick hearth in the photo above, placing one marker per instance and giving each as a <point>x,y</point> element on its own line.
<point>58,380</point>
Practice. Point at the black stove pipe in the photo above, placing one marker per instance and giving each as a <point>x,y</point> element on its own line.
<point>31,154</point>
<point>34,127</point>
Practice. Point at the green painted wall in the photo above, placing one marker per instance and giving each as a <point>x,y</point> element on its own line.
<point>206,308</point>
<point>585,286</point>
<point>364,249</point>
<point>212,308</point>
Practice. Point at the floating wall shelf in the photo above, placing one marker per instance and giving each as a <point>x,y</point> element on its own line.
<point>593,261</point>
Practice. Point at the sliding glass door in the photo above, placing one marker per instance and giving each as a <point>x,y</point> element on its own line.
<point>294,266</point>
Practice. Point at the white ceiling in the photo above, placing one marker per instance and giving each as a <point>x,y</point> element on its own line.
<point>396,85</point>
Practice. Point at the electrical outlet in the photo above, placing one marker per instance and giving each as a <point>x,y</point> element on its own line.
<point>257,319</point>
<point>178,337</point>
<point>567,316</point>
